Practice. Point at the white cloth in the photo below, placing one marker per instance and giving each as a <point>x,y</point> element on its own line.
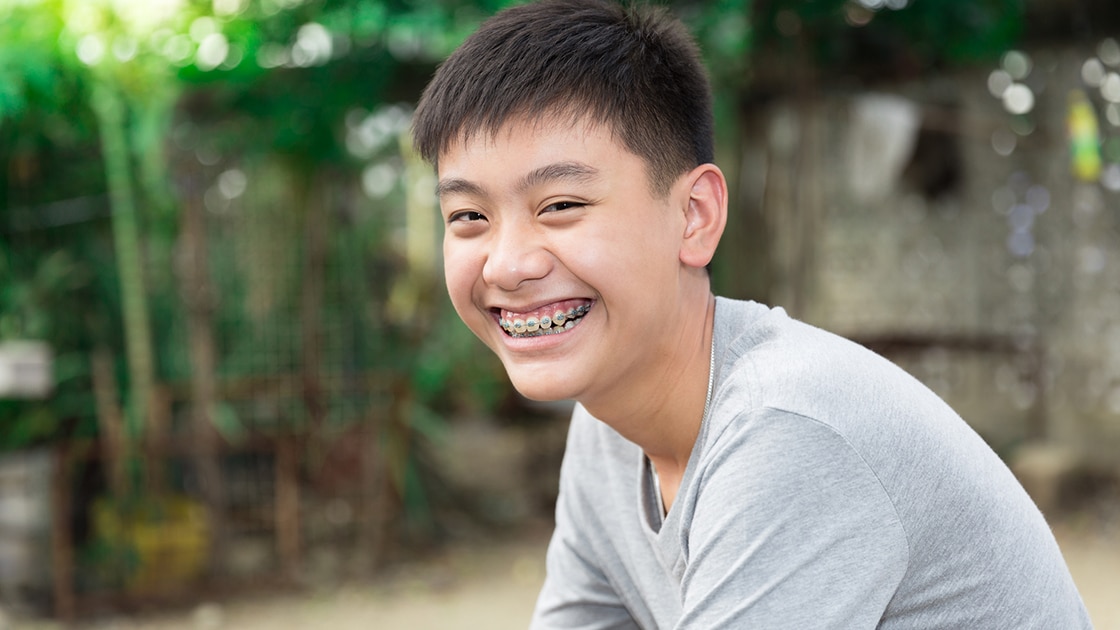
<point>827,489</point>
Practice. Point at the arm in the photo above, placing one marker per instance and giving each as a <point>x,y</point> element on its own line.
<point>790,529</point>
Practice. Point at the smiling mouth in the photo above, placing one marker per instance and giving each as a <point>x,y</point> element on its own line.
<point>551,320</point>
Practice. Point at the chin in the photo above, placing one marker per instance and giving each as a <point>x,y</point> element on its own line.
<point>540,390</point>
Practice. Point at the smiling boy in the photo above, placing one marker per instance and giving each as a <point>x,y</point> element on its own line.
<point>727,466</point>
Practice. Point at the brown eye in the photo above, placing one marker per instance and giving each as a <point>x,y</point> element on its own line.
<point>469,215</point>
<point>562,205</point>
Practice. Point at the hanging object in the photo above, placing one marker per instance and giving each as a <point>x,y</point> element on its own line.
<point>1084,138</point>
<point>882,135</point>
<point>25,370</point>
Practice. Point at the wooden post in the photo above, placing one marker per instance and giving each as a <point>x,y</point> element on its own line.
<point>157,440</point>
<point>317,204</point>
<point>287,507</point>
<point>198,294</point>
<point>110,420</point>
<point>374,495</point>
<point>62,549</point>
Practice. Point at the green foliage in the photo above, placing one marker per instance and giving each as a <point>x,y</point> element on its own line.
<point>47,299</point>
<point>848,36</point>
<point>34,306</point>
<point>29,62</point>
<point>726,35</point>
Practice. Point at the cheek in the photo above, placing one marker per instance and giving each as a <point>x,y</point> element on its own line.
<point>628,254</point>
<point>461,269</point>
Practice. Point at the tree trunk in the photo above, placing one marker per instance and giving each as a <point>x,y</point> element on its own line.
<point>316,229</point>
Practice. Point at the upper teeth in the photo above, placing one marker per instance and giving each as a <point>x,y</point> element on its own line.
<point>531,326</point>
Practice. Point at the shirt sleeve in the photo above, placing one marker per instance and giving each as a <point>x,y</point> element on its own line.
<point>790,529</point>
<point>576,594</point>
<point>577,591</point>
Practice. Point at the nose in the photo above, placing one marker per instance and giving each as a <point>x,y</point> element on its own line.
<point>516,256</point>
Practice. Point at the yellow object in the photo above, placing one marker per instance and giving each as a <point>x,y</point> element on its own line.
<point>1084,138</point>
<point>161,544</point>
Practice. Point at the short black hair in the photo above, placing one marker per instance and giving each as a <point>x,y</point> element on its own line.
<point>635,69</point>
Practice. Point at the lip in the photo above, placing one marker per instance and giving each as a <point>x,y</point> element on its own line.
<point>540,342</point>
<point>496,309</point>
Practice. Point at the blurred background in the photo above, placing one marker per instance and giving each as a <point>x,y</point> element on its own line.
<point>229,371</point>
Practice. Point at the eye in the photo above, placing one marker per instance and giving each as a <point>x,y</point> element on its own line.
<point>563,205</point>
<point>466,216</point>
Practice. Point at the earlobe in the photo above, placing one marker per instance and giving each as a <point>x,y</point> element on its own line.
<point>705,216</point>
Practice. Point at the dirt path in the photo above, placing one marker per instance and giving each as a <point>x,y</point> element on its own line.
<point>1093,555</point>
<point>491,586</point>
<point>494,587</point>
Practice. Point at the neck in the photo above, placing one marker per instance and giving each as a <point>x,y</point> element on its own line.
<point>662,406</point>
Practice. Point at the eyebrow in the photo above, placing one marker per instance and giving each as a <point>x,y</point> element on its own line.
<point>557,171</point>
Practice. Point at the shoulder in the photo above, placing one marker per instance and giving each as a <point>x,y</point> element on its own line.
<point>789,497</point>
<point>769,360</point>
<point>780,459</point>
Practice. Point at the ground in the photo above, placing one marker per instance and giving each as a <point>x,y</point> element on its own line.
<point>1093,555</point>
<point>493,586</point>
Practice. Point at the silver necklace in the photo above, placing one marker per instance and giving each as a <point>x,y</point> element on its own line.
<point>711,378</point>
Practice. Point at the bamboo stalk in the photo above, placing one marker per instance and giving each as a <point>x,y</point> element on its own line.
<point>110,111</point>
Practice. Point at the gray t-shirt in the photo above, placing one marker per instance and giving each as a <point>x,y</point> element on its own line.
<point>827,489</point>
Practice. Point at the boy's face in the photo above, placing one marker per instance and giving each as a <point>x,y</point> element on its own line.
<point>558,256</point>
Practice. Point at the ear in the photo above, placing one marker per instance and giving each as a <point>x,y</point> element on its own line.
<point>705,216</point>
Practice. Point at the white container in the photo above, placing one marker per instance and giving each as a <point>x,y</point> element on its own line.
<point>25,369</point>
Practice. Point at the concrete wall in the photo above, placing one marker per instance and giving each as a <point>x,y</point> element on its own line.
<point>1012,315</point>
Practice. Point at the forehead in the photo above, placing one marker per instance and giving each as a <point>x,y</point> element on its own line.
<point>518,128</point>
<point>523,144</point>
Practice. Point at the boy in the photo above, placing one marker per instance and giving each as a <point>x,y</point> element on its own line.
<point>727,467</point>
